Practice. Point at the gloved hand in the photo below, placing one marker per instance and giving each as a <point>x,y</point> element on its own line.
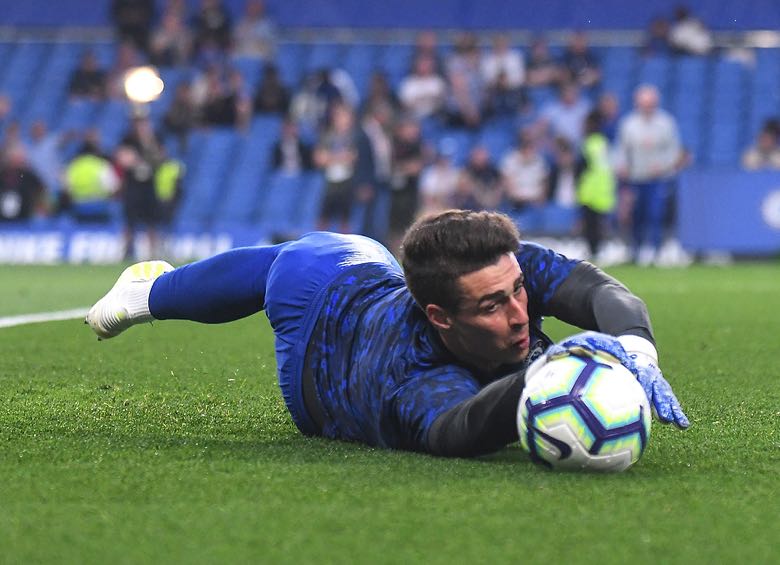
<point>659,392</point>
<point>592,343</point>
<point>639,357</point>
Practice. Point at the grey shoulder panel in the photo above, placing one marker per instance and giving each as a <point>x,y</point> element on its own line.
<point>593,300</point>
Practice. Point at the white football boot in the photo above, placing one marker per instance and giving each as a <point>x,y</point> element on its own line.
<point>127,303</point>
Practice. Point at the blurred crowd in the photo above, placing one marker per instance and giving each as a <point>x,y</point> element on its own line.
<point>579,150</point>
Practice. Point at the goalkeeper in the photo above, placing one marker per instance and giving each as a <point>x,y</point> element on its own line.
<point>431,358</point>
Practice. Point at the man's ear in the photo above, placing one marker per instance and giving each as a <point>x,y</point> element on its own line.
<point>438,316</point>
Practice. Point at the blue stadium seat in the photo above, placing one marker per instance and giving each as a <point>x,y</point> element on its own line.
<point>245,183</point>
<point>308,209</point>
<point>210,156</point>
<point>558,220</point>
<point>497,140</point>
<point>657,71</point>
<point>396,61</point>
<point>324,55</point>
<point>290,59</point>
<point>278,208</point>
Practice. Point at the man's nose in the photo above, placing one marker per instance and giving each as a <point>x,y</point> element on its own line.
<point>518,313</point>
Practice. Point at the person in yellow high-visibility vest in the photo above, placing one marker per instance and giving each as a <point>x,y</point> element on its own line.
<point>90,185</point>
<point>596,186</point>
<point>167,188</point>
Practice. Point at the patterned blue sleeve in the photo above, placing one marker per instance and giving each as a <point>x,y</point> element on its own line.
<point>544,271</point>
<point>420,400</point>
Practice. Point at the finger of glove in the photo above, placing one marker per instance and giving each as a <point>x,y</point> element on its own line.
<point>662,403</point>
<point>680,419</point>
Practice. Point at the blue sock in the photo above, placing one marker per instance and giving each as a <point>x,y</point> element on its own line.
<point>223,288</point>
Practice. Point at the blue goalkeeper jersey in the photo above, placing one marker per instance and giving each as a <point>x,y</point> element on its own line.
<point>380,370</point>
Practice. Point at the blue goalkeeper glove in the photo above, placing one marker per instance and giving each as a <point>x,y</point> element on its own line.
<point>639,356</point>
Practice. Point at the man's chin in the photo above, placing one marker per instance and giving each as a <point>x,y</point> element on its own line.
<point>517,354</point>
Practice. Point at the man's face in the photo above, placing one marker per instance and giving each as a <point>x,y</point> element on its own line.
<point>491,327</point>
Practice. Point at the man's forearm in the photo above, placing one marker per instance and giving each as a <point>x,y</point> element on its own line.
<point>482,424</point>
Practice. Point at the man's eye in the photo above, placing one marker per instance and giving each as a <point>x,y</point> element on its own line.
<point>490,308</point>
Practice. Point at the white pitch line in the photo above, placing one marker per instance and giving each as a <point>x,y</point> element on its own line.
<point>21,320</point>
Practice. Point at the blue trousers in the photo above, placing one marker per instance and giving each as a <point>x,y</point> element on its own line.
<point>649,209</point>
<point>289,281</point>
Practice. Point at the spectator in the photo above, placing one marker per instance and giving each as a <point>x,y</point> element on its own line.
<point>564,116</point>
<point>12,138</point>
<point>213,27</point>
<point>126,58</point>
<point>466,97</point>
<point>609,115</point>
<point>424,91</point>
<point>323,89</point>
<point>580,63</point>
<point>272,96</point>
<point>168,181</point>
<point>481,181</point>
<point>172,42</point>
<point>5,111</point>
<point>503,60</point>
<point>503,100</point>
<point>408,161</point>
<point>90,185</point>
<point>133,21</point>
<point>562,180</point>
<point>440,187</point>
<point>380,93</point>
<point>543,70</point>
<point>336,154</point>
<point>656,43</point>
<point>182,115</point>
<point>88,80</point>
<point>305,107</point>
<point>649,153</point>
<point>255,33</point>
<point>596,188</point>
<point>342,80</point>
<point>138,156</point>
<point>764,153</point>
<point>226,103</point>
<point>688,35</point>
<point>45,155</point>
<point>426,44</point>
<point>375,167</point>
<point>22,194</point>
<point>525,173</point>
<point>291,155</point>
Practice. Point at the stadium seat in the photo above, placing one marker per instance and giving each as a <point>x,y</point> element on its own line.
<point>208,160</point>
<point>278,209</point>
<point>323,55</point>
<point>311,203</point>
<point>657,71</point>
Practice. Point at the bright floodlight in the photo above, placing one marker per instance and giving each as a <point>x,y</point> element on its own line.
<point>143,84</point>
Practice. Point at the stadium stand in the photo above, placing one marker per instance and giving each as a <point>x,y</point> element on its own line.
<point>719,105</point>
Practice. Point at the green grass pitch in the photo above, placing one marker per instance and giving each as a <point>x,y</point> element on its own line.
<point>172,444</point>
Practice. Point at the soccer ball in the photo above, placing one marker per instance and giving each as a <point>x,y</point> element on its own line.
<point>583,411</point>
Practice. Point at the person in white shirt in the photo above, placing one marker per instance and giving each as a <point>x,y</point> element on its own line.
<point>525,173</point>
<point>439,183</point>
<point>424,91</point>
<point>648,156</point>
<point>503,59</point>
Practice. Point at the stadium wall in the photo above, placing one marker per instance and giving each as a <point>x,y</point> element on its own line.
<point>726,211</point>
<point>732,15</point>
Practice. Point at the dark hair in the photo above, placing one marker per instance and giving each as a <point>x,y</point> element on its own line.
<point>593,122</point>
<point>440,248</point>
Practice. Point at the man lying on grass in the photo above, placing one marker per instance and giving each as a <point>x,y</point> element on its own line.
<point>431,358</point>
